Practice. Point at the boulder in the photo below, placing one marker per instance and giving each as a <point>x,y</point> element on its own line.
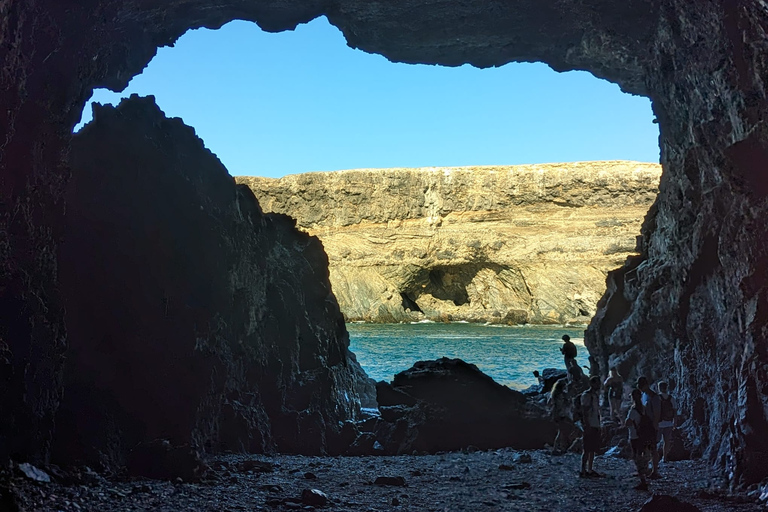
<point>387,395</point>
<point>550,376</point>
<point>457,406</point>
<point>160,460</point>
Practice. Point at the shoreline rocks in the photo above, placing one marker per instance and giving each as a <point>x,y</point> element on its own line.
<point>448,404</point>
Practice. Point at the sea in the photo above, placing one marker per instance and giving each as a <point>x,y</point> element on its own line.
<point>509,354</point>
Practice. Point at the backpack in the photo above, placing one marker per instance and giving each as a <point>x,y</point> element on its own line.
<point>645,430</point>
<point>667,411</point>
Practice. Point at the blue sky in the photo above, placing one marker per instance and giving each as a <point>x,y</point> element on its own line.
<point>276,104</point>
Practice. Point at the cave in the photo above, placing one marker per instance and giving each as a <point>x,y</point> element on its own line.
<point>693,307</point>
<point>446,285</point>
<point>409,303</point>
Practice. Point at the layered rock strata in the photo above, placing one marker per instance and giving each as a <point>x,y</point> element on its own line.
<point>192,316</point>
<point>691,306</point>
<point>509,245</point>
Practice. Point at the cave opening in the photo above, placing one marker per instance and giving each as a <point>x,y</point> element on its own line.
<point>702,63</point>
<point>272,104</point>
<point>278,104</point>
<point>409,304</point>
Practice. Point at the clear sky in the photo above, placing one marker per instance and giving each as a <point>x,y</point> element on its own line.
<point>276,104</point>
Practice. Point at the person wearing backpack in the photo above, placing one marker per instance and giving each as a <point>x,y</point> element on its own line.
<point>590,420</point>
<point>668,412</point>
<point>652,404</point>
<point>642,437</point>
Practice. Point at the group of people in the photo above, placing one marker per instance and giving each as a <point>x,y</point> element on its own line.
<point>649,420</point>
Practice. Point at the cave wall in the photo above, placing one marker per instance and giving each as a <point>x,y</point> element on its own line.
<point>191,315</point>
<point>693,308</point>
<point>696,298</point>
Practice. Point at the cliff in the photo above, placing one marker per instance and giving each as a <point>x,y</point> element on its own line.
<point>519,244</point>
<point>217,329</point>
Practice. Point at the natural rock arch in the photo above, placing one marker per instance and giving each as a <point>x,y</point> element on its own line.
<point>694,305</point>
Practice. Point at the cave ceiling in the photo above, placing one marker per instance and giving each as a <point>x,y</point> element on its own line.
<point>697,295</point>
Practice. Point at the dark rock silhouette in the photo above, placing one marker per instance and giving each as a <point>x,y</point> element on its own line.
<point>665,503</point>
<point>218,327</point>
<point>161,461</point>
<point>692,307</point>
<point>449,404</point>
<point>550,376</point>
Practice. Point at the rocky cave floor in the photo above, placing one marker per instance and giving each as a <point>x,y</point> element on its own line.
<point>480,480</point>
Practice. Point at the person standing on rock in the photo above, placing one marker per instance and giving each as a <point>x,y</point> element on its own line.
<point>641,437</point>
<point>569,352</point>
<point>590,419</point>
<point>668,412</point>
<point>615,385</point>
<point>652,404</point>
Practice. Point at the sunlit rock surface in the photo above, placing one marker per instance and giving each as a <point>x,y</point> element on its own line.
<point>192,316</point>
<point>508,245</point>
<point>695,308</point>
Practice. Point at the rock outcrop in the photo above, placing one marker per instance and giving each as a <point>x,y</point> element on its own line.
<point>448,404</point>
<point>513,245</point>
<point>192,316</point>
<point>693,305</point>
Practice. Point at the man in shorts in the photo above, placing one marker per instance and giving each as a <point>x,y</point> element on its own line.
<point>641,441</point>
<point>668,412</point>
<point>590,414</point>
<point>615,385</point>
<point>652,404</point>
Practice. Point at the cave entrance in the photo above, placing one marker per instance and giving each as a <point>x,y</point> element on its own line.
<point>276,104</point>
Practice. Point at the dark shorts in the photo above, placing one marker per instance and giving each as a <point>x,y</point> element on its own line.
<point>591,439</point>
<point>665,433</point>
<point>638,445</point>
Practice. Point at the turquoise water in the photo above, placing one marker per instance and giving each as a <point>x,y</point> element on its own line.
<point>507,353</point>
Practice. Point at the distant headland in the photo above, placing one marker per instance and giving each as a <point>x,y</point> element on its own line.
<point>498,244</point>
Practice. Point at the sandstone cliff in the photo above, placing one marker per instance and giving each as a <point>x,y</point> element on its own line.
<point>519,244</point>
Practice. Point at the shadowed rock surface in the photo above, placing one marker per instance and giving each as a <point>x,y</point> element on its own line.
<point>472,480</point>
<point>693,306</point>
<point>192,316</point>
<point>448,404</point>
<point>505,245</point>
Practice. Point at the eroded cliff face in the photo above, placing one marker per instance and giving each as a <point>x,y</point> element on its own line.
<point>693,305</point>
<point>192,316</point>
<point>507,245</point>
<point>693,308</point>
